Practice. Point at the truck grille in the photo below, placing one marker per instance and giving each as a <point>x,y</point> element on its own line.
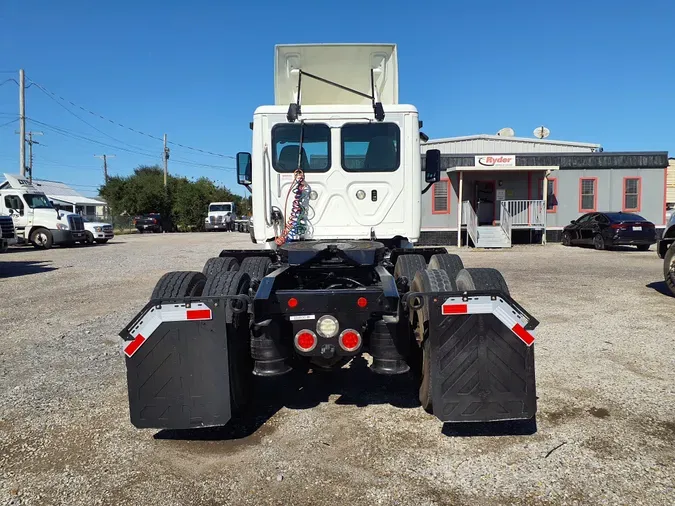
<point>6,227</point>
<point>107,228</point>
<point>76,224</point>
<point>215,219</point>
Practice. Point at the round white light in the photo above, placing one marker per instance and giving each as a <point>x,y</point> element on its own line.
<point>360,195</point>
<point>313,195</point>
<point>327,326</point>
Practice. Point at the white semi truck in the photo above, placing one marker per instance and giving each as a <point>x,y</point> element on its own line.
<point>35,219</point>
<point>336,179</point>
<point>217,215</point>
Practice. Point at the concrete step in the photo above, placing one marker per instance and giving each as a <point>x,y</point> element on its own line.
<point>492,237</point>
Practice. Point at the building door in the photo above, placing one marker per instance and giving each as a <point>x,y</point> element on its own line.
<point>484,202</point>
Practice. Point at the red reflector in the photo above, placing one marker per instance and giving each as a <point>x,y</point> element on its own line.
<point>350,340</point>
<point>198,314</point>
<point>362,302</point>
<point>523,334</point>
<point>133,346</point>
<point>306,341</point>
<point>292,302</point>
<point>454,309</point>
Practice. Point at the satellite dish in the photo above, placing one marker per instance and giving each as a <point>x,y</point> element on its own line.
<point>506,132</point>
<point>541,132</point>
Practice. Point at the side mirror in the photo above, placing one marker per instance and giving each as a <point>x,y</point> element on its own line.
<point>244,168</point>
<point>432,170</point>
<point>573,222</point>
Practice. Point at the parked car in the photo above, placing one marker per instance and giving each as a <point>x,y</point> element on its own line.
<point>665,249</point>
<point>148,223</point>
<point>95,231</point>
<point>609,229</point>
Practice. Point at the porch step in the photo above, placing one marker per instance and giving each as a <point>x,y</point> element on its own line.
<point>492,237</point>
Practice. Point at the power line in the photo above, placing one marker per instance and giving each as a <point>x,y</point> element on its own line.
<point>8,80</point>
<point>9,122</point>
<point>54,95</point>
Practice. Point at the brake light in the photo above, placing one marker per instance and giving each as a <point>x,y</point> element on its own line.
<point>620,226</point>
<point>292,302</point>
<point>362,302</point>
<point>350,340</point>
<point>305,340</point>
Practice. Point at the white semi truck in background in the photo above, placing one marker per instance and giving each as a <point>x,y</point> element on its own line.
<point>35,219</point>
<point>218,214</point>
<point>336,179</point>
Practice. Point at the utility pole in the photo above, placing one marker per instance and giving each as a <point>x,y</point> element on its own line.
<point>22,124</point>
<point>105,165</point>
<point>30,153</point>
<point>166,162</point>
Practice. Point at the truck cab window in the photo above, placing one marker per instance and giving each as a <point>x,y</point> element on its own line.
<point>315,147</point>
<point>37,201</point>
<point>14,202</point>
<point>220,208</point>
<point>371,147</point>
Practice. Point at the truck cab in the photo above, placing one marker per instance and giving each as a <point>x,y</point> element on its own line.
<point>357,148</point>
<point>217,215</point>
<point>35,218</point>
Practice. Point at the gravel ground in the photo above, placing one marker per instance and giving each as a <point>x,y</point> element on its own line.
<point>605,380</point>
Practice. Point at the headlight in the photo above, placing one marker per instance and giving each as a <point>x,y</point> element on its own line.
<point>206,220</point>
<point>327,326</point>
<point>61,226</point>
<point>98,229</point>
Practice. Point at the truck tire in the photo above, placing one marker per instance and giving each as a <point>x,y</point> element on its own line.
<point>88,237</point>
<point>409,265</point>
<point>240,362</point>
<point>429,280</point>
<point>451,264</point>
<point>220,264</point>
<point>669,268</point>
<point>179,284</point>
<point>256,267</point>
<point>41,238</point>
<point>481,279</point>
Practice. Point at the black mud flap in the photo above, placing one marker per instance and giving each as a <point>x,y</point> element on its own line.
<point>177,364</point>
<point>482,358</point>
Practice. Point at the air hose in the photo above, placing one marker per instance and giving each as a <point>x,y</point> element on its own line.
<point>297,221</point>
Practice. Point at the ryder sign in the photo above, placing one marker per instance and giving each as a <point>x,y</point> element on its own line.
<point>495,161</point>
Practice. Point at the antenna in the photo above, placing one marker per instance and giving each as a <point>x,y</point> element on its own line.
<point>506,132</point>
<point>541,132</point>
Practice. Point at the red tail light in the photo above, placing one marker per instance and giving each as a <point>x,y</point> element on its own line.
<point>154,220</point>
<point>305,340</point>
<point>350,340</point>
<point>292,302</point>
<point>362,302</point>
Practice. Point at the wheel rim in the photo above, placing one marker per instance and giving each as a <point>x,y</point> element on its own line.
<point>671,270</point>
<point>41,238</point>
<point>566,239</point>
<point>598,242</point>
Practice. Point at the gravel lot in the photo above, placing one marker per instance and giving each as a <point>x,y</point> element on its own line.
<point>605,377</point>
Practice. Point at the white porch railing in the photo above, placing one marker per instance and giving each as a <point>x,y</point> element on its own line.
<point>525,213</point>
<point>470,219</point>
<point>506,220</point>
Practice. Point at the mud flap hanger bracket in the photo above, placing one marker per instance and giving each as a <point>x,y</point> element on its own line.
<point>474,302</point>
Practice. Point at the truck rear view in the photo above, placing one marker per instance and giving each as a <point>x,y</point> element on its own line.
<point>336,179</point>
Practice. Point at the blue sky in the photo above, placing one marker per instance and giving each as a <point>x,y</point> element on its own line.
<point>594,71</point>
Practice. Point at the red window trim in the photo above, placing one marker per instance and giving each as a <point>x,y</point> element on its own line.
<point>433,197</point>
<point>555,192</point>
<point>639,195</point>
<point>595,194</point>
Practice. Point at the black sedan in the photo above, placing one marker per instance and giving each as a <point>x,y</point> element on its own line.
<point>605,230</point>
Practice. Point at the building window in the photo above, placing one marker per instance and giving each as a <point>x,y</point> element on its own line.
<point>631,193</point>
<point>588,196</point>
<point>440,199</point>
<point>551,194</point>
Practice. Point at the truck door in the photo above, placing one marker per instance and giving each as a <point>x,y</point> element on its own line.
<point>17,210</point>
<point>355,172</point>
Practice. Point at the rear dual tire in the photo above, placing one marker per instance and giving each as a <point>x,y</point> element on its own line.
<point>669,268</point>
